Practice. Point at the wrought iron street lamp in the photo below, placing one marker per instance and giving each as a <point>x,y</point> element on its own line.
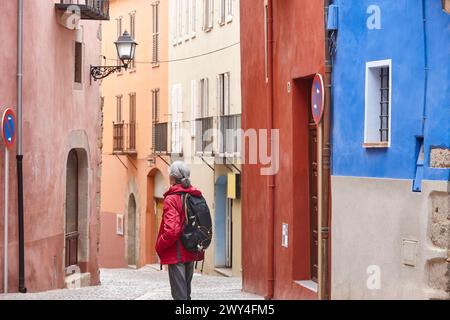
<point>126,48</point>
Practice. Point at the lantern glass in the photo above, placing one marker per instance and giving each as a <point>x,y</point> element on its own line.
<point>126,48</point>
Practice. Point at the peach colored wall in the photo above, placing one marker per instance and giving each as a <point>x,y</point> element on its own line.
<point>123,175</point>
<point>53,111</point>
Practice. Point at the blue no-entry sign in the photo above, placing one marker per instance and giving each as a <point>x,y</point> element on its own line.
<point>317,98</point>
<point>9,127</point>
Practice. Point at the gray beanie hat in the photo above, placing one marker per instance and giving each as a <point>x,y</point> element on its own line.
<point>181,172</point>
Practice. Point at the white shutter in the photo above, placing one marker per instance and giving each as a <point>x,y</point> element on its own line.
<point>179,118</point>
<point>194,17</point>
<point>194,106</point>
<point>211,13</point>
<point>206,112</point>
<point>226,92</point>
<point>173,112</point>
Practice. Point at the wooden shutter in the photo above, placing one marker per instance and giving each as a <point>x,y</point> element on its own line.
<point>78,62</point>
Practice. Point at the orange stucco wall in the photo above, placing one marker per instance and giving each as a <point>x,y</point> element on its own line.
<point>124,175</point>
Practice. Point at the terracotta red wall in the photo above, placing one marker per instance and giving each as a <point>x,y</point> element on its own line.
<point>53,112</point>
<point>298,53</point>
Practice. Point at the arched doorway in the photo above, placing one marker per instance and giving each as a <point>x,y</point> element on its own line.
<point>76,211</point>
<point>222,225</point>
<point>131,232</point>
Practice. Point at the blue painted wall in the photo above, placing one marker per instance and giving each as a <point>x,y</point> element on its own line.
<point>401,38</point>
<point>219,221</point>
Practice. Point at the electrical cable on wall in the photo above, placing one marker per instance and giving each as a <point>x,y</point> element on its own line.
<point>182,59</point>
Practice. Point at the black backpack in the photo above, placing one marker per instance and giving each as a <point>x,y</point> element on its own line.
<point>197,231</point>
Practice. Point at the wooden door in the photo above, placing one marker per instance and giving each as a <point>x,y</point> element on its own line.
<point>72,233</point>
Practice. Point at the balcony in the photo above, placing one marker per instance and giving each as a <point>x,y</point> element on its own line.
<point>124,138</point>
<point>88,9</point>
<point>205,136</point>
<point>160,138</point>
<point>230,136</point>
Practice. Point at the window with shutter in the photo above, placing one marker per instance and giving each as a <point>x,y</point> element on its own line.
<point>229,17</point>
<point>180,21</point>
<point>78,62</point>
<point>187,21</point>
<point>194,18</point>
<point>133,35</point>
<point>194,106</point>
<point>155,33</point>
<point>222,11</point>
<point>119,109</point>
<point>119,33</point>
<point>208,15</point>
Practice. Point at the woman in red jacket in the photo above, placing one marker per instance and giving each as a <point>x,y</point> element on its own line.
<point>168,245</point>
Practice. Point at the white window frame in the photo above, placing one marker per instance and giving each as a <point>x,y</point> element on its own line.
<point>224,94</point>
<point>174,22</point>
<point>180,21</point>
<point>222,12</point>
<point>187,21</point>
<point>203,111</point>
<point>372,105</point>
<point>229,17</point>
<point>177,119</point>
<point>208,15</point>
<point>193,18</point>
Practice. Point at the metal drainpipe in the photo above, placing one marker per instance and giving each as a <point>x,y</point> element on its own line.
<point>326,163</point>
<point>271,179</point>
<point>19,156</point>
<point>424,20</point>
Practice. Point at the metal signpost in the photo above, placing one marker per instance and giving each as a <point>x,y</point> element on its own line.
<point>8,126</point>
<point>317,108</point>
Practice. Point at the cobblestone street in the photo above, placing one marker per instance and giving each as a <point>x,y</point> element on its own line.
<point>143,284</point>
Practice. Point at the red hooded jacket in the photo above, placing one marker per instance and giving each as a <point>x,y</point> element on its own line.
<point>172,226</point>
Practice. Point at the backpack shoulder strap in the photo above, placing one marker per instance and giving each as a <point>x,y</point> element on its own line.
<point>184,197</point>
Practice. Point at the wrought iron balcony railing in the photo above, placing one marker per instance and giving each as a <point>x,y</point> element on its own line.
<point>160,138</point>
<point>230,136</point>
<point>88,9</point>
<point>205,135</point>
<point>124,138</point>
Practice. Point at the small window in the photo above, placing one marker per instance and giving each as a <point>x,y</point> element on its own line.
<point>193,18</point>
<point>119,109</point>
<point>230,11</point>
<point>78,62</point>
<point>377,131</point>
<point>133,35</point>
<point>155,32</point>
<point>119,33</point>
<point>155,105</point>
<point>223,93</point>
<point>204,98</point>
<point>208,15</point>
<point>222,11</point>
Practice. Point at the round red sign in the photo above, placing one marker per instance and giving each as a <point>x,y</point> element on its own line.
<point>9,127</point>
<point>317,98</point>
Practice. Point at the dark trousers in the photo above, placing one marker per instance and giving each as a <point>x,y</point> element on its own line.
<point>180,276</point>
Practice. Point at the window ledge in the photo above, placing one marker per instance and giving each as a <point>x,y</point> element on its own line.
<point>376,145</point>
<point>308,284</point>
